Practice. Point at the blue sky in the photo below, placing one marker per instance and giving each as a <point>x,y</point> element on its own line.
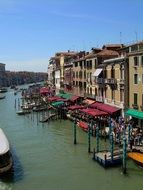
<point>31,31</point>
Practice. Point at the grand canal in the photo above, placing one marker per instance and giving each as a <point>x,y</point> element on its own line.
<point>46,158</point>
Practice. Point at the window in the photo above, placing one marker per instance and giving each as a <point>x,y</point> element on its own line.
<point>84,64</point>
<point>122,72</point>
<point>135,98</point>
<point>135,78</point>
<point>77,74</point>
<point>142,61</point>
<point>142,99</point>
<point>95,64</point>
<point>136,61</point>
<point>84,74</point>
<point>112,73</point>
<point>121,95</point>
<point>90,64</point>
<point>73,83</point>
<point>112,94</point>
<point>73,74</point>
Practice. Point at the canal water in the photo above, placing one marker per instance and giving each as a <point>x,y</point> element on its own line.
<point>45,157</point>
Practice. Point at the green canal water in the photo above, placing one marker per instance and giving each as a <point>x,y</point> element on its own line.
<point>45,157</point>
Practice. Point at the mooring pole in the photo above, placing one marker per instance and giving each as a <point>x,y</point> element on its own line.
<point>124,156</point>
<point>75,132</point>
<point>112,145</point>
<point>93,154</point>
<point>15,104</point>
<point>18,103</point>
<point>129,133</point>
<point>89,138</point>
<point>97,139</point>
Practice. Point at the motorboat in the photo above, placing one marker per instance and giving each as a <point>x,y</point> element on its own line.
<point>137,157</point>
<point>5,154</point>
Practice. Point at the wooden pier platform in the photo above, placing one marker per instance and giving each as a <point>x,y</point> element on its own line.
<point>104,158</point>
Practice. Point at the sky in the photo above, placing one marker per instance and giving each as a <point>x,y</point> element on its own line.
<point>32,31</point>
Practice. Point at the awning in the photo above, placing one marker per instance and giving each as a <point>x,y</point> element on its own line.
<point>56,104</point>
<point>97,72</point>
<point>74,98</point>
<point>44,90</point>
<point>88,101</point>
<point>94,112</point>
<point>135,113</point>
<point>65,95</point>
<point>75,107</point>
<point>105,107</point>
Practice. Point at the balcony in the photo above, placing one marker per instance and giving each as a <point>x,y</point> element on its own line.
<point>99,80</point>
<point>111,81</point>
<point>99,98</point>
<point>135,106</point>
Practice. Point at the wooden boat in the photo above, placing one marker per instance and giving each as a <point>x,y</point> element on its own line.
<point>3,90</point>
<point>23,112</point>
<point>2,97</point>
<point>137,157</point>
<point>83,125</point>
<point>5,154</point>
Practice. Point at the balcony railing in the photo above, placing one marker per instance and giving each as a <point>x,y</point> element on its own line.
<point>99,98</point>
<point>111,81</point>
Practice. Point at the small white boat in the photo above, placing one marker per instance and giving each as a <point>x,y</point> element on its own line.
<point>23,112</point>
<point>5,154</point>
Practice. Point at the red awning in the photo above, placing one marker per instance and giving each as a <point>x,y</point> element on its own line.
<point>54,98</point>
<point>44,90</point>
<point>105,107</point>
<point>94,112</point>
<point>74,98</point>
<point>75,107</point>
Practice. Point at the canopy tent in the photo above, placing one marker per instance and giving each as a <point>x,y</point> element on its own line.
<point>54,98</point>
<point>94,112</point>
<point>44,90</point>
<point>65,95</point>
<point>74,98</point>
<point>75,107</point>
<point>134,113</point>
<point>56,104</point>
<point>105,107</point>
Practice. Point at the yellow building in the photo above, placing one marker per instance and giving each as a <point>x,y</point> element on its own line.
<point>136,79</point>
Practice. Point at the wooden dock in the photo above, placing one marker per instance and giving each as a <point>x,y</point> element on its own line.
<point>104,158</point>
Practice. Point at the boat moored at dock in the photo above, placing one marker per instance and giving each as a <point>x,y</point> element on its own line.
<point>5,154</point>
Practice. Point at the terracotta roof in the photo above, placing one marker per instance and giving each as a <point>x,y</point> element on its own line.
<point>106,46</point>
<point>70,53</point>
<point>90,55</point>
<point>106,52</point>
